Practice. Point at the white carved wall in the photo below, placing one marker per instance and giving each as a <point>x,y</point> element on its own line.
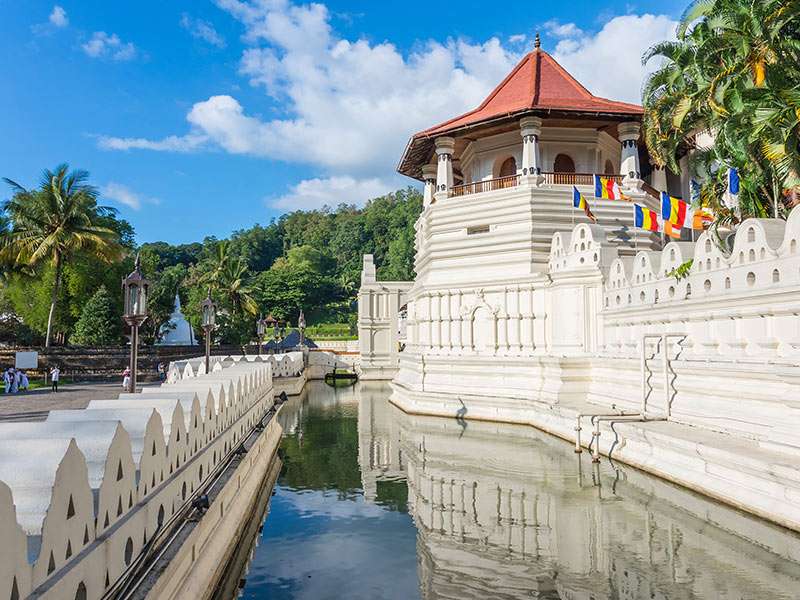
<point>83,492</point>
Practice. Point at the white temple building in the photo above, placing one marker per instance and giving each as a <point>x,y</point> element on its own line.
<point>524,311</point>
<point>177,331</point>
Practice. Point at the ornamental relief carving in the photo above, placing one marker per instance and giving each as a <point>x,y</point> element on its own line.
<point>477,301</point>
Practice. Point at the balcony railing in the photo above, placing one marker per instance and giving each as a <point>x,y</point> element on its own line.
<point>489,185</point>
<point>551,178</point>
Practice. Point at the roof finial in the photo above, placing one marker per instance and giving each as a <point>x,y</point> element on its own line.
<point>537,42</point>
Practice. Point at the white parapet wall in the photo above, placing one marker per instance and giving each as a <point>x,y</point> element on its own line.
<point>379,322</point>
<point>83,492</point>
<point>584,335</point>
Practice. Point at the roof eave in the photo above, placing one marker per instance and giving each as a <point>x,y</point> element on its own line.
<point>431,134</point>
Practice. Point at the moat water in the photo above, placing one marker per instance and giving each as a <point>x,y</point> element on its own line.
<point>376,504</point>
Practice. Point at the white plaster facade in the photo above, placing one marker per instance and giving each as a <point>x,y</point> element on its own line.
<point>379,323</point>
<point>566,338</point>
<point>524,311</point>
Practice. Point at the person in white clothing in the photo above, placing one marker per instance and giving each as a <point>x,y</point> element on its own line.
<point>14,381</point>
<point>126,380</point>
<point>23,381</point>
<point>54,374</point>
<point>7,380</point>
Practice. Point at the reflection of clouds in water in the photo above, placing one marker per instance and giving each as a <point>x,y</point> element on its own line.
<point>322,546</point>
<point>313,503</point>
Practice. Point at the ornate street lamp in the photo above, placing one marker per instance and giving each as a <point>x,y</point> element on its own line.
<point>301,325</point>
<point>208,310</point>
<point>134,289</point>
<point>261,330</point>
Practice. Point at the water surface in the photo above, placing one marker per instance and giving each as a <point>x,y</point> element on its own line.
<point>376,504</point>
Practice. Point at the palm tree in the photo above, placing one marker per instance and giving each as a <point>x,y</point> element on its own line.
<point>229,275</point>
<point>53,222</point>
<point>733,71</point>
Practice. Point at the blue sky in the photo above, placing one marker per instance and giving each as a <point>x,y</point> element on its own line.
<point>200,118</point>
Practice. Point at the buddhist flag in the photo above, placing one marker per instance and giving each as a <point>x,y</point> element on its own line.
<point>698,219</point>
<point>731,196</point>
<point>644,218</point>
<point>607,187</point>
<point>673,210</point>
<point>578,201</point>
<point>672,231</point>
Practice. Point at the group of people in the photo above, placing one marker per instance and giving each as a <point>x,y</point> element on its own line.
<point>15,380</point>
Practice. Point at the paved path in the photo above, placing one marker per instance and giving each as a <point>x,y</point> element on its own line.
<point>34,405</point>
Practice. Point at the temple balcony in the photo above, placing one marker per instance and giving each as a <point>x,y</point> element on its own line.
<point>550,178</point>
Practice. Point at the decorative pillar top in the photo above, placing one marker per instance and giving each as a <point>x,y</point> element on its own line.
<point>368,270</point>
<point>445,145</point>
<point>530,126</point>
<point>429,173</point>
<point>629,131</point>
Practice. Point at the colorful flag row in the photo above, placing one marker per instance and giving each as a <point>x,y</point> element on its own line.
<point>675,213</point>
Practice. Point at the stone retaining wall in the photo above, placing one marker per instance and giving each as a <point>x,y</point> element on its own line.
<point>81,363</point>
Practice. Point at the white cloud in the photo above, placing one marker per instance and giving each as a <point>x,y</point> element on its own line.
<point>58,17</point>
<point>332,191</point>
<point>348,106</point>
<point>561,30</point>
<point>609,63</point>
<point>202,30</point>
<point>172,143</point>
<point>103,45</point>
<point>125,196</point>
<point>517,38</point>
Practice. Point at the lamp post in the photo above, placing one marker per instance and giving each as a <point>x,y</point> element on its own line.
<point>135,288</point>
<point>261,329</point>
<point>301,325</point>
<point>209,312</point>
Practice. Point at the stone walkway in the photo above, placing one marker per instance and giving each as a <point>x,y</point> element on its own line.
<point>34,405</point>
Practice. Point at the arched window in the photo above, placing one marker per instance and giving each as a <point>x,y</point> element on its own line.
<point>609,168</point>
<point>508,168</point>
<point>563,164</point>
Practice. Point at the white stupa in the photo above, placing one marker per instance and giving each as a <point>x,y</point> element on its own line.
<point>177,331</point>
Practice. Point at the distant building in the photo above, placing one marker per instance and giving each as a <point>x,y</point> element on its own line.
<point>177,331</point>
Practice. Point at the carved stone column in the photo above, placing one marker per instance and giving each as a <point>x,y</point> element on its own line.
<point>444,171</point>
<point>530,130</point>
<point>629,163</point>
<point>429,175</point>
<point>658,178</point>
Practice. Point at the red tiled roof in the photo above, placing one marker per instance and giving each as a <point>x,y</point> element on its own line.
<point>537,82</point>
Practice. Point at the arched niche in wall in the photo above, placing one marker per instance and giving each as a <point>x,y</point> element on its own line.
<point>609,169</point>
<point>563,163</point>
<point>504,166</point>
<point>483,334</point>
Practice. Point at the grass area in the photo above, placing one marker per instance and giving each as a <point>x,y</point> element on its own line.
<point>39,384</point>
<point>331,331</point>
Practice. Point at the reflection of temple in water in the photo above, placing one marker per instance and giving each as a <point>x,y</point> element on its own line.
<point>379,453</point>
<point>504,512</point>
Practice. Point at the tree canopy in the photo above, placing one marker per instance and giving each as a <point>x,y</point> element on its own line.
<point>54,224</point>
<point>734,73</point>
<point>99,324</point>
<point>303,260</point>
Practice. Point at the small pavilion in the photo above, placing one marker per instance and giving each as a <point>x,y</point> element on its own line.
<point>538,126</point>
